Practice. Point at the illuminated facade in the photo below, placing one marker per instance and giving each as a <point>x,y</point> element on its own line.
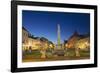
<point>34,43</point>
<point>78,41</point>
<point>83,44</point>
<point>24,38</point>
<point>71,41</point>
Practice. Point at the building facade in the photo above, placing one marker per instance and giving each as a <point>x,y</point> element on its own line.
<point>34,43</point>
<point>78,41</point>
<point>25,34</point>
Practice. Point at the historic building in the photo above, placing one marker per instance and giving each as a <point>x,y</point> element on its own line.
<point>30,42</point>
<point>78,41</point>
<point>34,43</point>
<point>25,34</point>
<point>72,40</point>
<point>83,44</point>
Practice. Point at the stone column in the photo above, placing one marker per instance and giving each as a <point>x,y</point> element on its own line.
<point>58,31</point>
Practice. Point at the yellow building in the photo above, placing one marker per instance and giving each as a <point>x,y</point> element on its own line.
<point>44,45</point>
<point>33,43</point>
<point>70,44</point>
<point>83,44</point>
<point>78,41</point>
<point>29,42</point>
<point>24,39</point>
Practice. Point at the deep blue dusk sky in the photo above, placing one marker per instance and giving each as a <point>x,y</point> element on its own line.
<point>44,24</point>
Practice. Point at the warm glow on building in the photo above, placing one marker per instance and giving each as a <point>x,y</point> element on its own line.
<point>51,46</point>
<point>78,41</point>
<point>34,43</point>
<point>83,43</point>
<point>30,43</point>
